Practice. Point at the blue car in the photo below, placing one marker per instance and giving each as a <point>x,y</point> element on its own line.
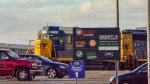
<point>50,68</point>
<point>137,76</point>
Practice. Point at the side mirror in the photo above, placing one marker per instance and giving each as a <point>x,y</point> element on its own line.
<point>6,58</point>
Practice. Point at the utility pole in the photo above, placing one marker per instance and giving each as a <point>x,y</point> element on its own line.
<point>148,41</point>
<point>117,18</point>
<point>117,7</point>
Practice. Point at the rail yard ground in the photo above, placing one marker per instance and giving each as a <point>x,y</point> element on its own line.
<point>92,77</point>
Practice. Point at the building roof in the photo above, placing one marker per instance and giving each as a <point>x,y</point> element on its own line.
<point>20,46</point>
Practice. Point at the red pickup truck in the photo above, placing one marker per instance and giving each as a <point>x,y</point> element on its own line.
<point>22,69</point>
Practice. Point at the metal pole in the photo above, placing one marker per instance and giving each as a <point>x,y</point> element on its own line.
<point>148,41</point>
<point>117,60</point>
<point>117,69</point>
<point>117,5</point>
<point>76,80</point>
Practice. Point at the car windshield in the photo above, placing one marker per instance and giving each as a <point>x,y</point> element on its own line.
<point>45,59</point>
<point>13,55</point>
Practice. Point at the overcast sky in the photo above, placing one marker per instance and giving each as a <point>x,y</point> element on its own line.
<point>20,20</point>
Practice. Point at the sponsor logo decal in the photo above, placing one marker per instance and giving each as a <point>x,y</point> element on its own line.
<point>79,54</point>
<point>78,32</point>
<point>92,43</point>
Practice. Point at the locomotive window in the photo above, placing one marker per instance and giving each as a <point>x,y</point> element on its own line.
<point>41,45</point>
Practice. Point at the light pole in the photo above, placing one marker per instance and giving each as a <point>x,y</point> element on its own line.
<point>148,41</point>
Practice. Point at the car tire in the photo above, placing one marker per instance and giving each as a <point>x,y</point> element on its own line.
<point>60,76</point>
<point>51,73</point>
<point>22,74</point>
<point>125,82</point>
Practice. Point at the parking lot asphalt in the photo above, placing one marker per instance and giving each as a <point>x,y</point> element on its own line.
<point>92,77</point>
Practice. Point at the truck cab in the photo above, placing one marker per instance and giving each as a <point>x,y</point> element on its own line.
<point>22,69</point>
